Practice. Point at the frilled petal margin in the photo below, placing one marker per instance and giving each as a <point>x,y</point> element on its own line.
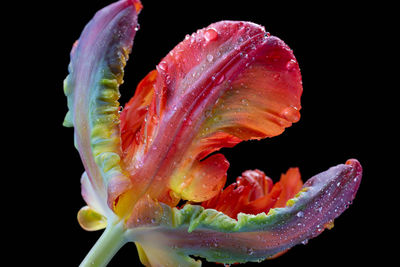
<point>171,235</point>
<point>92,90</point>
<point>227,83</point>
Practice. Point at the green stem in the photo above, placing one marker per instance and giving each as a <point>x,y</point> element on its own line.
<point>106,247</point>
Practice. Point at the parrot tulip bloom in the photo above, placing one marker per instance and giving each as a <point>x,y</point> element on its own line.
<point>226,83</point>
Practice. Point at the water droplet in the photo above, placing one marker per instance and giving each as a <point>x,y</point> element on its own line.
<point>163,66</point>
<point>300,214</point>
<point>250,251</point>
<point>210,57</point>
<point>276,76</point>
<point>244,101</point>
<point>338,184</point>
<point>168,79</point>
<point>291,114</point>
<point>210,34</point>
<point>187,36</point>
<point>221,79</point>
<point>304,242</point>
<point>137,27</point>
<point>291,64</point>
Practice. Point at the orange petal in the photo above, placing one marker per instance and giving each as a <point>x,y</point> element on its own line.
<point>132,116</point>
<point>260,183</point>
<point>265,203</point>
<point>291,184</point>
<point>203,180</point>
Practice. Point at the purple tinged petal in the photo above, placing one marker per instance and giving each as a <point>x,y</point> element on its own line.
<point>96,71</point>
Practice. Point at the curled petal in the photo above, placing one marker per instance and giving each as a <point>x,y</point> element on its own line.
<point>291,184</point>
<point>206,178</point>
<point>132,117</point>
<point>254,193</point>
<point>94,200</point>
<point>92,90</point>
<point>213,235</point>
<point>90,220</point>
<point>227,83</point>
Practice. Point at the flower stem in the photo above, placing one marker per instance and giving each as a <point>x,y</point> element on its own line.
<point>106,247</point>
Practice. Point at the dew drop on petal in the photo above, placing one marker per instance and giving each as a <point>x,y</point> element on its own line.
<point>276,76</point>
<point>221,79</point>
<point>163,65</point>
<point>250,251</point>
<point>291,64</point>
<point>291,114</point>
<point>210,34</point>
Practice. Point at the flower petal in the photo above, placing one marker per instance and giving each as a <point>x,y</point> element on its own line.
<point>132,116</point>
<point>95,73</point>
<point>205,179</point>
<point>291,184</point>
<point>226,83</point>
<point>254,193</point>
<point>95,201</point>
<point>90,220</point>
<point>208,233</point>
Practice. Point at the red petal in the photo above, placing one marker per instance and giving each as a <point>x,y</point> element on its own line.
<point>132,116</point>
<point>253,193</point>
<point>214,89</point>
<point>265,203</point>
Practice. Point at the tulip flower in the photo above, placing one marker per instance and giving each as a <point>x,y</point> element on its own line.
<point>224,84</point>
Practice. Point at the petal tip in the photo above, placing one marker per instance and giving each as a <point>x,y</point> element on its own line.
<point>137,4</point>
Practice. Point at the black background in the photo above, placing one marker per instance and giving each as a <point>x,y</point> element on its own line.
<point>342,116</point>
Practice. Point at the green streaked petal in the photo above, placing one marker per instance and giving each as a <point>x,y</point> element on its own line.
<point>213,235</point>
<point>92,90</point>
